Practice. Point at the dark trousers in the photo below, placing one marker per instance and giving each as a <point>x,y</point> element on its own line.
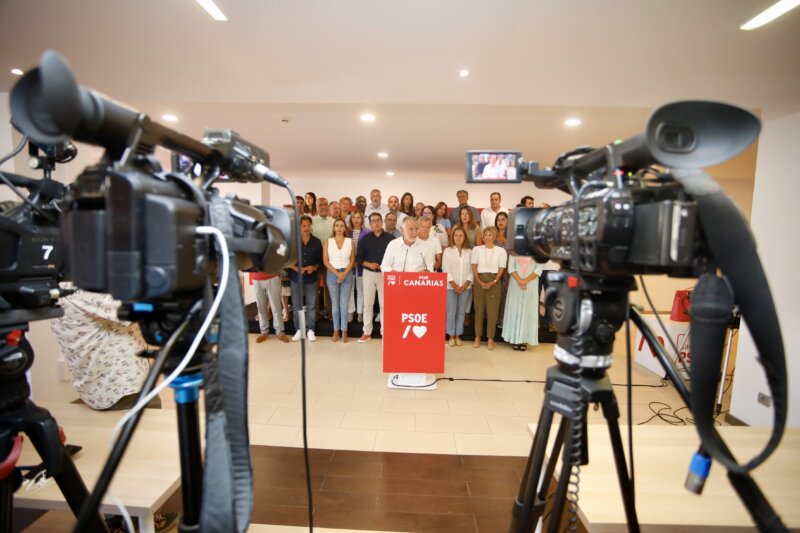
<point>487,304</point>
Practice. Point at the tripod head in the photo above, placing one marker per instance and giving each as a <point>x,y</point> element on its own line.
<point>16,357</point>
<point>586,311</point>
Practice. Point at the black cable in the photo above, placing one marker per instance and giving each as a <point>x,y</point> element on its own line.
<point>629,372</point>
<point>666,414</point>
<point>300,313</point>
<point>664,329</point>
<point>663,382</point>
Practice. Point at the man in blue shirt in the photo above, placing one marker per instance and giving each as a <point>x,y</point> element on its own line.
<point>312,262</point>
<point>369,255</point>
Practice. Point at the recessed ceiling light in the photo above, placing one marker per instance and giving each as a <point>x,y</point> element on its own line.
<point>572,122</point>
<point>463,73</point>
<point>212,9</point>
<point>390,173</point>
<point>383,155</point>
<point>169,118</point>
<point>770,14</point>
<point>367,117</point>
<point>16,72</point>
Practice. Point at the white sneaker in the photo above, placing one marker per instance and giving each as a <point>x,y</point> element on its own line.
<point>297,335</point>
<point>310,336</point>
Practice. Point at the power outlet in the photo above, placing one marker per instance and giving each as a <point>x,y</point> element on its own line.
<point>764,400</point>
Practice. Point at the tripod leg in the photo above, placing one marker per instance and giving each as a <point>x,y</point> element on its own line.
<point>524,515</point>
<point>186,395</point>
<point>555,454</point>
<point>626,489</point>
<point>42,429</point>
<point>563,479</point>
<point>8,458</point>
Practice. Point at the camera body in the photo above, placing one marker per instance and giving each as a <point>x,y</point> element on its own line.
<point>31,264</point>
<point>32,259</point>
<point>630,213</point>
<point>611,231</point>
<point>129,228</point>
<point>131,233</point>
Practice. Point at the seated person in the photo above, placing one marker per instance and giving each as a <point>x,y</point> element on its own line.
<point>101,351</point>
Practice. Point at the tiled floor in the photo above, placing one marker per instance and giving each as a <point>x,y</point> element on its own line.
<point>350,407</point>
<point>472,435</point>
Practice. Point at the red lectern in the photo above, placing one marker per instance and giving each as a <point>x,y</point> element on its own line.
<point>415,306</point>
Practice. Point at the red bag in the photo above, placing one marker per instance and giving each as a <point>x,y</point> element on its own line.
<point>680,306</point>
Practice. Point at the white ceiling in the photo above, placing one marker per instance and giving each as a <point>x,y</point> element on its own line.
<point>321,63</point>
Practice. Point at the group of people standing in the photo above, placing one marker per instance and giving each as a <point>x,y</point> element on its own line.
<point>354,243</point>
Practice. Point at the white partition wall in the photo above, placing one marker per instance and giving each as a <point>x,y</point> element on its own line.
<point>775,223</point>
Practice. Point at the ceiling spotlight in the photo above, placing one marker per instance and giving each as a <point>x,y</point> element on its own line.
<point>16,72</point>
<point>463,73</point>
<point>390,173</point>
<point>212,9</point>
<point>770,14</point>
<point>367,117</point>
<point>383,155</point>
<point>572,122</point>
<point>169,118</point>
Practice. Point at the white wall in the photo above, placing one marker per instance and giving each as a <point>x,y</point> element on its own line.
<point>429,188</point>
<point>775,222</point>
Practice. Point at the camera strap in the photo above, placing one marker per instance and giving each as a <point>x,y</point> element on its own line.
<point>734,250</point>
<point>228,474</point>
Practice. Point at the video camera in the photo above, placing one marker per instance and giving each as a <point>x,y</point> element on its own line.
<point>627,216</point>
<point>141,233</point>
<point>128,226</point>
<point>644,206</point>
<point>31,264</point>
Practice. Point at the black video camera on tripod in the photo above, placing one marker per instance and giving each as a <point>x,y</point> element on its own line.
<point>130,229</point>
<point>642,206</point>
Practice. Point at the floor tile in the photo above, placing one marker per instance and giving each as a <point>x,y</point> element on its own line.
<point>415,442</point>
<point>452,423</point>
<point>379,421</point>
<point>469,407</point>
<point>268,435</point>
<point>347,403</point>
<point>471,444</point>
<point>415,405</point>
<point>508,425</point>
<point>286,416</point>
<point>338,439</point>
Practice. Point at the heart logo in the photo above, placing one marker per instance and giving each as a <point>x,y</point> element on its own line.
<point>419,331</point>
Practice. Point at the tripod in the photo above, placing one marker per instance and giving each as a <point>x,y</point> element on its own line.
<point>18,414</point>
<point>182,328</point>
<point>568,392</point>
<point>587,313</point>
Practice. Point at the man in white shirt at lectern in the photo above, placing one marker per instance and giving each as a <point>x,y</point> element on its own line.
<point>408,254</point>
